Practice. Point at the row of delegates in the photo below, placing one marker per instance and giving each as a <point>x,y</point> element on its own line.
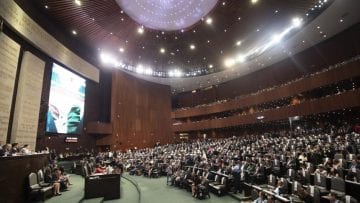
<point>57,177</point>
<point>14,150</point>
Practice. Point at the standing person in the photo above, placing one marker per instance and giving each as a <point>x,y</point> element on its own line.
<point>169,173</point>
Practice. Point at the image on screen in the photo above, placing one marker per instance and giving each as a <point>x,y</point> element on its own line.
<point>66,102</point>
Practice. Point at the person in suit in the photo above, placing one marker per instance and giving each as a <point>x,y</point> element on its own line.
<point>280,190</point>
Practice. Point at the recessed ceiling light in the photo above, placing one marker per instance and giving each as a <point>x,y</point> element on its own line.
<point>254,1</point>
<point>192,47</point>
<point>257,30</point>
<point>223,3</point>
<point>238,43</point>
<point>140,30</point>
<point>74,32</point>
<point>229,62</point>
<point>318,27</point>
<point>341,20</point>
<point>297,22</point>
<point>162,50</point>
<point>46,6</point>
<point>121,49</point>
<point>211,65</point>
<point>241,58</point>
<point>209,21</point>
<point>78,2</point>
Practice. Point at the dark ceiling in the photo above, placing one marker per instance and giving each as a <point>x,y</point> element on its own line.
<point>105,27</point>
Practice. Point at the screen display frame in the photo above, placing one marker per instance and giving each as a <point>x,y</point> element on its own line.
<point>80,131</point>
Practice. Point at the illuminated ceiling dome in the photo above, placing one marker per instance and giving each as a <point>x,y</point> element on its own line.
<point>167,15</point>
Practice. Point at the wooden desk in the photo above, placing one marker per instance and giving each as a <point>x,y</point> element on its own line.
<point>107,186</point>
<point>14,172</point>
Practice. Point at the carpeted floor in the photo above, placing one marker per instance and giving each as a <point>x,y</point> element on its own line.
<point>152,190</point>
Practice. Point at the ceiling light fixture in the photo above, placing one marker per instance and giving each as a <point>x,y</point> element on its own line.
<point>162,50</point>
<point>209,21</point>
<point>74,32</point>
<point>78,2</point>
<point>121,50</point>
<point>241,58</point>
<point>229,62</point>
<point>192,47</point>
<point>148,71</point>
<point>297,21</point>
<point>254,1</point>
<point>167,15</point>
<point>238,43</point>
<point>140,30</point>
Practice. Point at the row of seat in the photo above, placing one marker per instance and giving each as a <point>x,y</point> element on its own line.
<point>38,187</point>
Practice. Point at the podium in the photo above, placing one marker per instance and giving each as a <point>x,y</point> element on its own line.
<point>102,185</point>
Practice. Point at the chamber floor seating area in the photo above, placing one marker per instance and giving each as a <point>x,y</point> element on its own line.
<point>152,190</point>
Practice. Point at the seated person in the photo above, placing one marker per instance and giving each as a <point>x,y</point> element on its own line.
<point>59,178</point>
<point>25,150</point>
<point>66,176</point>
<point>261,199</point>
<point>194,184</point>
<point>6,150</point>
<point>100,169</point>
<point>332,198</point>
<point>48,178</point>
<point>305,196</point>
<point>280,190</point>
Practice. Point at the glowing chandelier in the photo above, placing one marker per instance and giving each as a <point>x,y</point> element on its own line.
<point>167,15</point>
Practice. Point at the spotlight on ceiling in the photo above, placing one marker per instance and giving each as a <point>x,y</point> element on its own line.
<point>148,71</point>
<point>276,38</point>
<point>162,50</point>
<point>74,32</point>
<point>78,2</point>
<point>297,22</point>
<point>192,47</point>
<point>108,59</point>
<point>229,62</point>
<point>140,30</point>
<point>121,49</point>
<point>238,43</point>
<point>139,69</point>
<point>209,21</point>
<point>241,58</point>
<point>211,65</point>
<point>254,1</point>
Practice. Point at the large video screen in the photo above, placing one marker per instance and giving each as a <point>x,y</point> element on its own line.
<point>66,102</point>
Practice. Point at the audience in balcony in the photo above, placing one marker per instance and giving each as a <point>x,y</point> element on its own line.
<point>354,59</point>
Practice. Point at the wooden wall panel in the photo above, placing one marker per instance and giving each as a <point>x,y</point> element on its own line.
<point>331,103</point>
<point>140,113</point>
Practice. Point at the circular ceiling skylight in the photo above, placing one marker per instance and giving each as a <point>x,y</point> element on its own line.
<point>167,15</point>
